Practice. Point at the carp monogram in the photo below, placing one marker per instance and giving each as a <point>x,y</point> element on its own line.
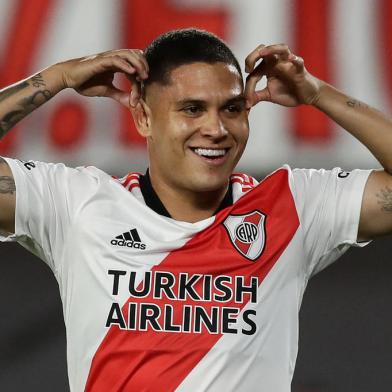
<point>247,233</point>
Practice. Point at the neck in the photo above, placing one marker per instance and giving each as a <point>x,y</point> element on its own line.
<point>188,206</point>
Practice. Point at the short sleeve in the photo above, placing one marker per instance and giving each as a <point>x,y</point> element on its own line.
<point>329,204</point>
<point>47,200</point>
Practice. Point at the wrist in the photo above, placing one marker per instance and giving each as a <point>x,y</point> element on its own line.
<point>312,91</point>
<point>54,79</point>
<point>323,92</point>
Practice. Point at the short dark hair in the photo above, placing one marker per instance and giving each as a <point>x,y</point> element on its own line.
<point>185,46</point>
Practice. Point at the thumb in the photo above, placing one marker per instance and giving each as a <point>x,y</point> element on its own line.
<point>123,97</point>
<point>262,95</point>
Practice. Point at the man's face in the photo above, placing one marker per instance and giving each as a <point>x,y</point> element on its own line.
<point>198,127</point>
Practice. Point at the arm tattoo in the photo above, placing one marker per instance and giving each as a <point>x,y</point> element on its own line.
<point>38,81</point>
<point>353,103</point>
<point>37,99</point>
<point>12,90</point>
<point>26,105</point>
<point>385,199</point>
<point>9,120</point>
<point>7,185</point>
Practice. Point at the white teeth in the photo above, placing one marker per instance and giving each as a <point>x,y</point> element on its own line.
<point>209,152</point>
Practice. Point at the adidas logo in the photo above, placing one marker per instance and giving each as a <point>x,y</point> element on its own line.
<point>130,238</point>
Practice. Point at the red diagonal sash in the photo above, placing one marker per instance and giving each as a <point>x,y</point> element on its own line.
<point>156,361</point>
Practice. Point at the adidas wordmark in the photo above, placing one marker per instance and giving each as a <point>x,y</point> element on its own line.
<point>130,238</point>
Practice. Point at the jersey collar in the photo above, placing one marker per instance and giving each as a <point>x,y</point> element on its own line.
<point>154,202</point>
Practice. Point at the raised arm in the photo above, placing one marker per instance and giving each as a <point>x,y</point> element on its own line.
<point>90,76</point>
<point>290,84</point>
<point>374,130</point>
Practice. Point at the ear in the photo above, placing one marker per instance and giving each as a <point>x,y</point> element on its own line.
<point>141,114</point>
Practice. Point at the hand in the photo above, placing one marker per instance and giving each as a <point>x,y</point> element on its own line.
<point>288,81</point>
<point>93,76</point>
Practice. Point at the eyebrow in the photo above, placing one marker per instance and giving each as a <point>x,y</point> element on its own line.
<point>191,101</point>
<point>237,99</point>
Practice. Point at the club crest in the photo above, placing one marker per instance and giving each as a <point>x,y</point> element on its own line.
<point>247,233</point>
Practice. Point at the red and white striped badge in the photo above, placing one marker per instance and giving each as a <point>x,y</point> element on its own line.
<point>247,233</point>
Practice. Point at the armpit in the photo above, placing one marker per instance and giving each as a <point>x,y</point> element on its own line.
<point>7,185</point>
<point>384,199</point>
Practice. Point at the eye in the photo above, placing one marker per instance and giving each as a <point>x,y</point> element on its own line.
<point>192,110</point>
<point>234,108</point>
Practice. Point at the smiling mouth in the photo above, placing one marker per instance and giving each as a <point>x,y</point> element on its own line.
<point>210,153</point>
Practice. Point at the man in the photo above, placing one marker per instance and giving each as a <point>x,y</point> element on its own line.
<point>190,278</point>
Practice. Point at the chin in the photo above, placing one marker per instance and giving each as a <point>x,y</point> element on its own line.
<point>209,183</point>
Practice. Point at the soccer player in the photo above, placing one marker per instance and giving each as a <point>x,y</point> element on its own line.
<point>190,277</point>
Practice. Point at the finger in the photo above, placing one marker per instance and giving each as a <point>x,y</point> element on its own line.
<point>252,58</point>
<point>139,62</point>
<point>116,64</point>
<point>297,61</point>
<point>265,68</point>
<point>133,57</point>
<point>142,57</point>
<point>121,52</point>
<point>262,51</point>
<point>251,83</point>
<point>282,50</point>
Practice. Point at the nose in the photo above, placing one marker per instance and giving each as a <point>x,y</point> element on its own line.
<point>214,127</point>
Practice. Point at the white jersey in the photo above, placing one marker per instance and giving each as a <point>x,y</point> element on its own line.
<point>155,304</point>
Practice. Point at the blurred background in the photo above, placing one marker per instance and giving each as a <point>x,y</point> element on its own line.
<point>345,341</point>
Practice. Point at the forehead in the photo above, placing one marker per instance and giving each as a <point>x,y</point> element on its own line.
<point>203,81</point>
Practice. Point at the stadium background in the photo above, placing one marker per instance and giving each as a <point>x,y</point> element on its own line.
<point>345,342</point>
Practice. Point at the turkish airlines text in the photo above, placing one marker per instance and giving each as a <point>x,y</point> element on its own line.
<point>164,301</point>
